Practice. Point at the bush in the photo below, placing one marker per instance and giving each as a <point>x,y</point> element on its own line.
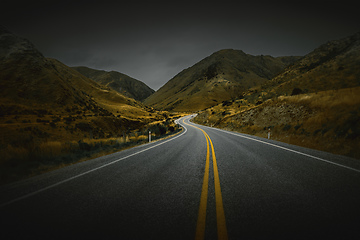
<point>296,91</point>
<point>226,103</point>
<point>286,127</point>
<point>162,129</point>
<point>297,126</point>
<point>84,146</point>
<point>42,121</point>
<point>69,119</point>
<point>171,129</point>
<point>85,127</point>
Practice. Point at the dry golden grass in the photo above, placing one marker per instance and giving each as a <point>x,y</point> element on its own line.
<point>36,147</point>
<point>327,99</point>
<point>327,120</point>
<point>51,148</point>
<point>50,114</point>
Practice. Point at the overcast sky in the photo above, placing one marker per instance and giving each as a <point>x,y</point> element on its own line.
<point>153,41</point>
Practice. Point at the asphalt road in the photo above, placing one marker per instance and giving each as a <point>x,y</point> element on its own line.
<point>204,183</point>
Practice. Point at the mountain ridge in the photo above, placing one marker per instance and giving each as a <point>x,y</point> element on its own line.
<point>333,65</point>
<point>119,82</point>
<point>313,103</point>
<point>221,76</point>
<point>51,115</point>
<point>35,90</point>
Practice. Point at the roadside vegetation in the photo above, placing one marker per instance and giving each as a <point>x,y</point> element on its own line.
<point>40,140</point>
<point>326,120</point>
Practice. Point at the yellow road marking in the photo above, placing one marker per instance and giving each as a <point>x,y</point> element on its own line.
<point>220,214</point>
<point>201,221</point>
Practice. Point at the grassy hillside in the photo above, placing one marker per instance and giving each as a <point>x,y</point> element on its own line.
<point>51,114</point>
<point>333,65</point>
<point>222,76</point>
<point>119,82</point>
<point>327,120</point>
<point>313,103</point>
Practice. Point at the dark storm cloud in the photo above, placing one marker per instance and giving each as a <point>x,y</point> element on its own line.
<point>153,41</point>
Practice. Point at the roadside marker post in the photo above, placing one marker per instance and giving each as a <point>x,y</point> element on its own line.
<point>149,136</point>
<point>269,133</point>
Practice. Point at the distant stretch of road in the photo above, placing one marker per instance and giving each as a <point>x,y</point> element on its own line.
<point>204,183</point>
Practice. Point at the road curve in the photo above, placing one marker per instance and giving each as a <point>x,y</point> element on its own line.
<point>203,183</point>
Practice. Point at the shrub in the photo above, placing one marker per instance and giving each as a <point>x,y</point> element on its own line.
<point>84,146</point>
<point>69,119</point>
<point>286,127</point>
<point>85,127</point>
<point>296,91</point>
<point>226,103</point>
<point>162,129</point>
<point>42,121</point>
<point>171,129</point>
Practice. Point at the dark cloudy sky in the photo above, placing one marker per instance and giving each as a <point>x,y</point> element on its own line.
<point>153,41</point>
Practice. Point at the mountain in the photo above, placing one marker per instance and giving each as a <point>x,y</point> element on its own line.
<point>28,79</point>
<point>119,82</point>
<point>333,65</point>
<point>43,101</point>
<point>52,115</point>
<point>222,76</point>
<point>313,103</point>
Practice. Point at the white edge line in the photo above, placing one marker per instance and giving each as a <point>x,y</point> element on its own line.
<point>92,170</point>
<point>290,150</point>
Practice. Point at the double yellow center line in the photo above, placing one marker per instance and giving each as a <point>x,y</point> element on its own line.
<point>220,215</point>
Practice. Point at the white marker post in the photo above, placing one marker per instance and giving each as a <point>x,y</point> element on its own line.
<point>149,136</point>
<point>269,133</point>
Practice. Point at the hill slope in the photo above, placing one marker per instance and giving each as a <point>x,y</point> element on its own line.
<point>48,110</point>
<point>119,82</point>
<point>333,65</point>
<point>313,103</point>
<point>29,79</point>
<point>222,76</point>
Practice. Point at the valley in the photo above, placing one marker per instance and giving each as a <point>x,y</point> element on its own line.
<point>52,115</point>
